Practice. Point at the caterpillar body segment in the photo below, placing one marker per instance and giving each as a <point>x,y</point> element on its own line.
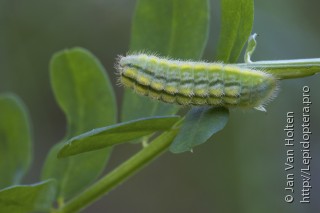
<point>196,83</point>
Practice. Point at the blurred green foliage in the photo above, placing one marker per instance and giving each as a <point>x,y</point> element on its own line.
<point>28,198</point>
<point>32,30</point>
<point>236,26</point>
<point>15,140</point>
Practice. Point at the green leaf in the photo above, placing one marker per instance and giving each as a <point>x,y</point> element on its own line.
<point>28,198</point>
<point>200,124</point>
<point>15,140</point>
<point>236,25</point>
<point>115,134</point>
<point>84,93</point>
<point>82,90</point>
<point>287,69</point>
<point>173,28</point>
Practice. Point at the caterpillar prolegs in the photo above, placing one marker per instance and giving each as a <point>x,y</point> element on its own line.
<point>196,83</point>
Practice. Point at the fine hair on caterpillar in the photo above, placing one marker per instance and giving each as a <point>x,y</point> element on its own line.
<point>196,83</point>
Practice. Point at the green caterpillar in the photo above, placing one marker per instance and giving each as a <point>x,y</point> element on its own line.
<point>197,83</point>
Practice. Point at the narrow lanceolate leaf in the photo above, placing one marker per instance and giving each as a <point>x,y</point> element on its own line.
<point>15,140</point>
<point>115,134</point>
<point>287,69</point>
<point>236,25</point>
<point>28,198</point>
<point>200,124</point>
<point>173,28</point>
<point>84,93</point>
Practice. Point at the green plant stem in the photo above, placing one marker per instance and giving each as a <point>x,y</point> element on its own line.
<point>286,69</point>
<point>121,173</point>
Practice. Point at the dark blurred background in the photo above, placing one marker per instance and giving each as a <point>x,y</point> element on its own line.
<point>240,170</point>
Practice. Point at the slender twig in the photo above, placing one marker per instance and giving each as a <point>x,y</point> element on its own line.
<point>121,173</point>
